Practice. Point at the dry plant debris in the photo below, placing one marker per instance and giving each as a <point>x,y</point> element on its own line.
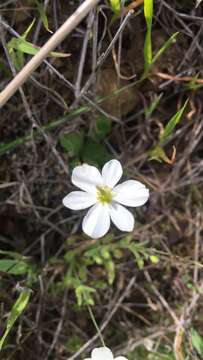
<point>145,289</point>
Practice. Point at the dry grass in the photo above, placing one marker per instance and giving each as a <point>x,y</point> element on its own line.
<point>158,304</point>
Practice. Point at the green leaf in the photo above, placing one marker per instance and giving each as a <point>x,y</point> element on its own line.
<point>148,13</point>
<point>24,46</point>
<point>72,143</point>
<point>95,153</point>
<point>17,57</point>
<point>158,154</point>
<point>12,254</point>
<point>74,343</point>
<point>138,257</point>
<point>17,265</point>
<point>165,46</point>
<point>27,31</point>
<point>193,85</point>
<point>51,125</point>
<point>110,268</point>
<point>14,267</point>
<point>43,16</point>
<point>197,341</point>
<point>84,295</point>
<point>115,6</point>
<point>172,123</point>
<point>150,109</point>
<point>103,127</point>
<point>16,311</point>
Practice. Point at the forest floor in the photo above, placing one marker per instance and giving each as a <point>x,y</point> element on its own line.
<point>144,288</point>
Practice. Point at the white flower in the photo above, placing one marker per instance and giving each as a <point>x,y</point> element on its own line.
<point>100,192</point>
<point>104,353</point>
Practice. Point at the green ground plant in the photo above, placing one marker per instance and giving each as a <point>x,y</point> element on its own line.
<point>62,293</point>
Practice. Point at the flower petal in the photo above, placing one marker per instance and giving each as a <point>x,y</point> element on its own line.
<point>131,193</point>
<point>102,353</point>
<point>86,177</point>
<point>112,172</point>
<point>96,222</point>
<point>121,217</point>
<point>78,200</point>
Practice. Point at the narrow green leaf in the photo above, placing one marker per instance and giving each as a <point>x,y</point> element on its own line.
<point>51,125</point>
<point>26,33</point>
<point>165,46</point>
<point>197,341</point>
<point>14,267</point>
<point>16,57</point>
<point>43,16</point>
<point>16,311</point>
<point>150,109</point>
<point>171,124</point>
<point>26,47</point>
<point>148,13</point>
<point>158,154</point>
<point>12,254</point>
<point>115,6</point>
<point>110,268</point>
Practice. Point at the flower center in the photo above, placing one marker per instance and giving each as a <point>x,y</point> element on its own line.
<point>104,194</point>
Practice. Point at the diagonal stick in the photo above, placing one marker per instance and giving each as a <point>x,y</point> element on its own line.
<point>69,25</point>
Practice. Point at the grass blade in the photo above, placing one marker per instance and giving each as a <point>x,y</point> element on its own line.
<point>53,124</point>
<point>172,123</point>
<point>26,47</point>
<point>43,15</point>
<point>166,45</point>
<point>148,13</point>
<point>20,305</point>
<point>115,6</point>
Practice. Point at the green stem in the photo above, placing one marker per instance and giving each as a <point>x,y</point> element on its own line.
<point>96,326</point>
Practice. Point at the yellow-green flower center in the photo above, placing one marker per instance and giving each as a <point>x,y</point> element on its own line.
<point>104,194</point>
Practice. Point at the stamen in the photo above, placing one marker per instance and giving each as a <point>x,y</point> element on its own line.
<point>104,194</point>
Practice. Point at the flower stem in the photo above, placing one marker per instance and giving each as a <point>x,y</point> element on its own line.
<point>96,326</point>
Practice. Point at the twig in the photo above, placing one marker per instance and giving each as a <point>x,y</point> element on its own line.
<point>114,308</point>
<point>132,6</point>
<point>49,46</point>
<point>59,326</point>
<point>62,77</point>
<point>178,78</point>
<point>29,112</point>
<point>83,54</point>
<point>196,251</point>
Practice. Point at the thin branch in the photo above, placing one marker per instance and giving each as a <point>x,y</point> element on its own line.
<point>69,25</point>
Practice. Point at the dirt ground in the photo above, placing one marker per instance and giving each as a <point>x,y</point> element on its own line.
<point>148,290</point>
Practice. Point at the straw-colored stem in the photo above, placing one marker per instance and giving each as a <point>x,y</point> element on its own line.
<point>49,46</point>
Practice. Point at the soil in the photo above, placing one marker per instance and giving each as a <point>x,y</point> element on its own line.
<point>35,176</point>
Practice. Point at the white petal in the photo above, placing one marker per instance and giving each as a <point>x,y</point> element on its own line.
<point>121,217</point>
<point>86,177</point>
<point>119,358</point>
<point>78,200</point>
<point>131,193</point>
<point>96,222</point>
<point>111,173</point>
<point>102,353</point>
